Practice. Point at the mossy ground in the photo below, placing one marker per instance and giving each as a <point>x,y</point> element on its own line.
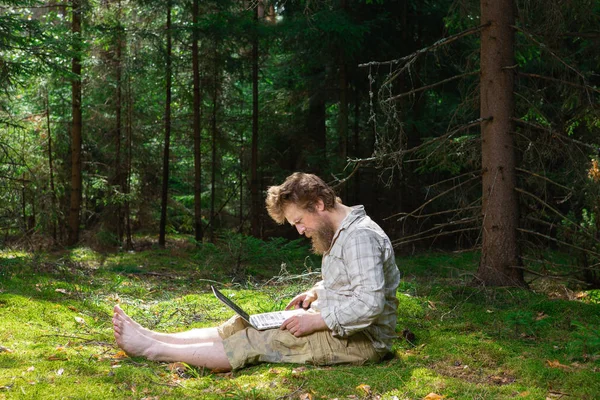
<point>470,342</point>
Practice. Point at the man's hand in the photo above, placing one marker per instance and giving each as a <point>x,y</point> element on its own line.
<point>303,300</point>
<point>304,324</point>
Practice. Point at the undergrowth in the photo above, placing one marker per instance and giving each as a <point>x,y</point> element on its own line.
<point>454,340</point>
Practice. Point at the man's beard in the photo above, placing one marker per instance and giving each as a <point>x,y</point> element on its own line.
<point>322,238</point>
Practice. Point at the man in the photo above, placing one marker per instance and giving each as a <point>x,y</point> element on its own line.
<point>351,313</point>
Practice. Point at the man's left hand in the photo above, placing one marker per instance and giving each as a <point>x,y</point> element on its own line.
<point>304,324</point>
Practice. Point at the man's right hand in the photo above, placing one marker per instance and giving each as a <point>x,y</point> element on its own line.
<point>303,300</point>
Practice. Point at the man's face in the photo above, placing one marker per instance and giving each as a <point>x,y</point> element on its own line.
<point>314,225</point>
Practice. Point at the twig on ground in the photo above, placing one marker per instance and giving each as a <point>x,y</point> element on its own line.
<point>291,395</point>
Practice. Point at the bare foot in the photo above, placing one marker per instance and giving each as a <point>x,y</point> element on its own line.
<point>129,337</point>
<point>128,320</point>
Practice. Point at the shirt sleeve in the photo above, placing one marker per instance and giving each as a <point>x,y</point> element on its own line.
<point>363,258</point>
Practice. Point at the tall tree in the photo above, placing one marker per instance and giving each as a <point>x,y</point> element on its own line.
<point>255,203</point>
<point>76,128</point>
<point>165,177</point>
<point>499,265</point>
<point>197,112</point>
<point>53,210</point>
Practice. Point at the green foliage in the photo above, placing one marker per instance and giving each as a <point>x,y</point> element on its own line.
<point>242,256</point>
<point>586,340</point>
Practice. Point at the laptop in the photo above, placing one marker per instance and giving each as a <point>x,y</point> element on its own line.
<point>262,321</point>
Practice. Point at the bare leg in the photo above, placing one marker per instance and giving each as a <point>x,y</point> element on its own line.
<point>210,354</point>
<point>188,337</point>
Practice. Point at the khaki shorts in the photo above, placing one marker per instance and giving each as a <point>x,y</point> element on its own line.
<point>245,345</point>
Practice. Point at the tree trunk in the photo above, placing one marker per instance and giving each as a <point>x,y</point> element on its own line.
<point>197,128</point>
<point>500,260</point>
<point>118,173</point>
<point>53,211</point>
<point>214,130</point>
<point>255,203</point>
<point>127,187</point>
<point>165,182</point>
<point>76,129</point>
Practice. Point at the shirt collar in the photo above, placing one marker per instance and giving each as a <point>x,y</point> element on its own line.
<point>356,213</point>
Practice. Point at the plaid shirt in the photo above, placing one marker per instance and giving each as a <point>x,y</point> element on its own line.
<point>360,278</point>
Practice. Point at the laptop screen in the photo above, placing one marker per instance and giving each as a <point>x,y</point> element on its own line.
<point>231,304</point>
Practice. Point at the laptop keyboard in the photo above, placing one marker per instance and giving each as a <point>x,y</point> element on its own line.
<point>269,318</point>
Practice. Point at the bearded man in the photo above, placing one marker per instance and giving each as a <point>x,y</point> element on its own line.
<point>351,312</point>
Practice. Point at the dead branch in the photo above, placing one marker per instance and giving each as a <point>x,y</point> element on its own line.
<point>553,133</point>
<point>549,78</point>
<point>339,182</point>
<point>455,210</point>
<point>422,88</point>
<point>543,46</point>
<point>435,198</point>
<point>455,178</point>
<point>439,43</point>
<point>552,225</point>
<point>545,204</point>
<point>446,135</point>
<point>442,226</point>
<point>557,241</point>
<point>401,242</point>
<point>558,276</point>
<point>544,178</point>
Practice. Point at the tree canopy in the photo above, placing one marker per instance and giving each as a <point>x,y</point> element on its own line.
<point>190,110</point>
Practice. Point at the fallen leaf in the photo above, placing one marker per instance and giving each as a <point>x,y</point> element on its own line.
<point>431,305</point>
<point>433,396</point>
<point>57,358</point>
<point>72,308</point>
<point>557,364</point>
<point>5,350</point>
<point>120,354</point>
<point>60,372</point>
<point>306,396</point>
<point>541,315</point>
<point>298,370</point>
<point>176,367</point>
<point>63,291</point>
<point>524,394</point>
<point>30,369</point>
<point>364,388</point>
<point>80,320</point>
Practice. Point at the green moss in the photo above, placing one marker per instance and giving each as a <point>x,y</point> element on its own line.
<point>471,343</point>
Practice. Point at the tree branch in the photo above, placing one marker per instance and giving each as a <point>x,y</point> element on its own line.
<point>430,86</point>
<point>554,133</point>
<point>543,46</point>
<point>544,178</point>
<point>434,198</point>
<point>446,135</point>
<point>401,242</point>
<point>564,217</point>
<point>456,210</point>
<point>441,226</point>
<point>439,43</point>
<point>549,78</point>
<point>557,241</point>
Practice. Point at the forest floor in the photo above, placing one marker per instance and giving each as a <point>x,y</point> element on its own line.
<point>470,342</point>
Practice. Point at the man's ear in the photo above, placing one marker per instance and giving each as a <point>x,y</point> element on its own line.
<point>320,206</point>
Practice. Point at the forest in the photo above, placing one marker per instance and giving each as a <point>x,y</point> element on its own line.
<point>458,125</point>
<point>138,139</point>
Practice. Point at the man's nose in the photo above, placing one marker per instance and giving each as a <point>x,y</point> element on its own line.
<point>301,229</point>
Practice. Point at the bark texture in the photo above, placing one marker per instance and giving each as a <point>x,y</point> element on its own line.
<point>499,265</point>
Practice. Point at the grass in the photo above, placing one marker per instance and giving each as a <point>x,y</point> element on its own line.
<point>471,343</point>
